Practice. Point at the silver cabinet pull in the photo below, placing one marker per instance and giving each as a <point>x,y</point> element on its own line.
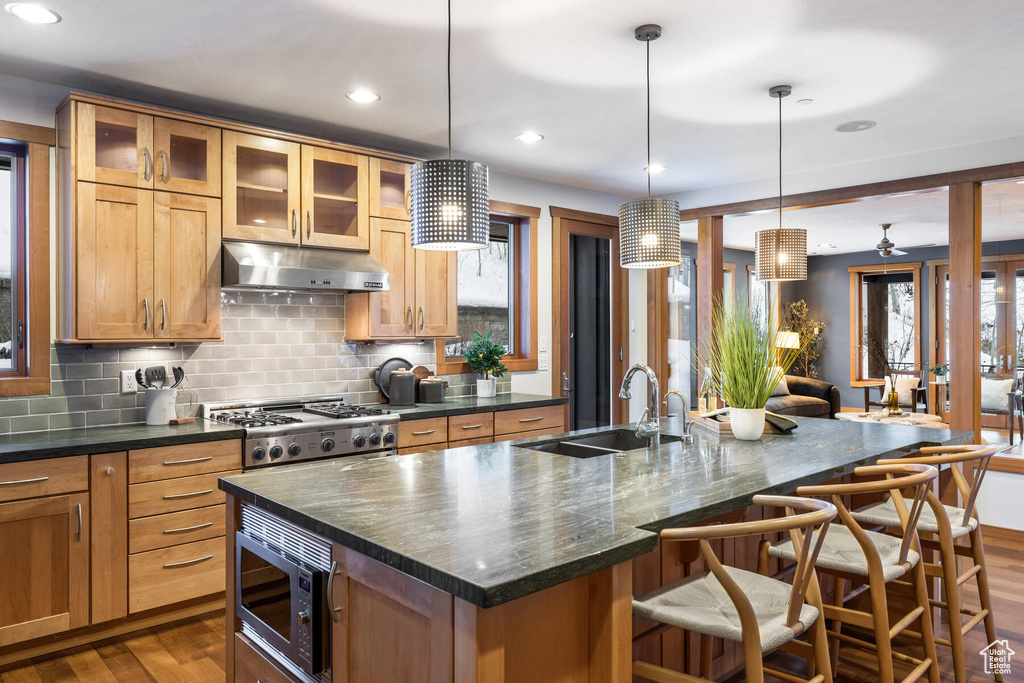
<point>408,316</point>
<point>163,165</point>
<point>163,313</point>
<point>172,496</point>
<point>423,318</point>
<point>23,481</point>
<point>171,565</point>
<point>145,303</point>
<point>335,617</point>
<point>78,536</point>
<point>309,224</point>
<point>429,431</point>
<point>187,528</point>
<point>472,426</point>
<point>145,160</point>
<point>189,461</point>
<point>295,223</point>
<point>531,419</point>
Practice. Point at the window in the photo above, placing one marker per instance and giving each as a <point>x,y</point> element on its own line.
<point>496,291</point>
<point>885,319</point>
<point>24,260</point>
<point>761,294</point>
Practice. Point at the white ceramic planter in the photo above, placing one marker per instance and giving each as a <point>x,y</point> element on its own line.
<point>487,388</point>
<point>747,423</point>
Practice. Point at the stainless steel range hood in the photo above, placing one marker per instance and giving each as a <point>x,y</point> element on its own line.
<point>272,266</point>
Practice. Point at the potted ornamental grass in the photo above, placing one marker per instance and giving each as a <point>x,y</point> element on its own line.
<point>747,362</point>
<point>483,355</point>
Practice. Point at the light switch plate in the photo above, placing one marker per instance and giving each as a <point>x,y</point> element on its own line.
<point>543,344</point>
<point>128,383</point>
<point>542,362</point>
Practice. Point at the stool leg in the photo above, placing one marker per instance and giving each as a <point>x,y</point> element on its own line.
<point>978,553</point>
<point>927,636</point>
<point>706,643</point>
<point>839,589</point>
<point>821,662</point>
<point>952,597</point>
<point>880,615</point>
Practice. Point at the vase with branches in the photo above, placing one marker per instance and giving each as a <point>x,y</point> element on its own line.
<point>879,354</point>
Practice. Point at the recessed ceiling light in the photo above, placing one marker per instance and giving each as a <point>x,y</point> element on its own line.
<point>655,168</point>
<point>364,96</point>
<point>805,101</point>
<point>826,245</point>
<point>855,126</point>
<point>34,14</point>
<point>529,138</point>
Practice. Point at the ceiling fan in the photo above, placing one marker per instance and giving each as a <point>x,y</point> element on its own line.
<point>886,247</point>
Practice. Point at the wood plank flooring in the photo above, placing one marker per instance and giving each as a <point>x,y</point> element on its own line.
<point>192,651</point>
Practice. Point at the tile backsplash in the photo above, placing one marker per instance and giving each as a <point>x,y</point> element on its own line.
<point>276,344</point>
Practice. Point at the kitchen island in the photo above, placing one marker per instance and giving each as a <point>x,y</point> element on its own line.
<point>500,562</point>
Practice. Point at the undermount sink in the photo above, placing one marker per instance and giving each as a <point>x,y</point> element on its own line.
<point>602,443</point>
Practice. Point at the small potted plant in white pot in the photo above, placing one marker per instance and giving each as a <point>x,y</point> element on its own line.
<point>484,358</point>
<point>747,363</point>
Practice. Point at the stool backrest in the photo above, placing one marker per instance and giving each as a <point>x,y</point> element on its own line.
<point>956,456</point>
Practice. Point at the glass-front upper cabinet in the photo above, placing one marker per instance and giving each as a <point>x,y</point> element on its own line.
<point>114,146</point>
<point>261,189</point>
<point>335,197</point>
<point>186,157</point>
<point>389,189</point>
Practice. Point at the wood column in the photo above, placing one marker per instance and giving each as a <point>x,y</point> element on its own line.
<point>709,281</point>
<point>964,306</point>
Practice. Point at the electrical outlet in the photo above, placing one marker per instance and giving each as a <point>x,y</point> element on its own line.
<point>128,383</point>
<point>542,361</point>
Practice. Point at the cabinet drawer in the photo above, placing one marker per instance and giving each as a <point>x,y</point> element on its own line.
<point>36,478</point>
<point>470,442</point>
<point>175,528</point>
<point>252,666</point>
<point>526,435</point>
<point>528,419</point>
<point>172,495</point>
<point>422,432</point>
<point>471,426</point>
<point>162,577</point>
<point>168,462</point>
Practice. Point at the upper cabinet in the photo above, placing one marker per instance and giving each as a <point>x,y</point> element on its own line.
<point>335,193</point>
<point>261,189</point>
<point>186,157</point>
<point>114,146</point>
<point>390,189</point>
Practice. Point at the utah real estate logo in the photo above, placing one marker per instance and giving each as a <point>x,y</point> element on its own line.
<point>997,657</point>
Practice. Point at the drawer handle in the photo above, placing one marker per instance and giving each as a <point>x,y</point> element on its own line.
<point>187,528</point>
<point>23,481</point>
<point>531,419</point>
<point>172,496</point>
<point>472,426</point>
<point>429,431</point>
<point>186,462</point>
<point>335,617</point>
<point>171,565</point>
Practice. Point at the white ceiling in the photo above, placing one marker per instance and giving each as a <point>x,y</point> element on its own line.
<point>937,75</point>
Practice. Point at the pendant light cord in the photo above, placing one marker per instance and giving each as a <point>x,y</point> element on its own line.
<point>449,80</point>
<point>780,162</point>
<point>648,41</point>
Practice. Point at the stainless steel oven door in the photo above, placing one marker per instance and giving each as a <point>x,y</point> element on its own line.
<point>283,602</point>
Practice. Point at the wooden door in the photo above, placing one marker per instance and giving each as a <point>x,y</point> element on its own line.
<point>335,197</point>
<point>389,189</point>
<point>392,312</point>
<point>114,297</point>
<point>114,146</point>
<point>261,189</point>
<point>187,157</point>
<point>437,312</point>
<point>44,561</point>
<point>186,248</point>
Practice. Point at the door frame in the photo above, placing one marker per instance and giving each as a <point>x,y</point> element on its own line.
<point>566,222</point>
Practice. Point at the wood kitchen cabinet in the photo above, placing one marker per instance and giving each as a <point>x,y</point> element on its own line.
<point>335,198</point>
<point>261,188</point>
<point>390,191</point>
<point>421,302</point>
<point>186,157</point>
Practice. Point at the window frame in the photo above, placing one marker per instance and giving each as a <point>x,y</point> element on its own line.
<point>32,377</point>
<point>524,317</point>
<point>856,316</point>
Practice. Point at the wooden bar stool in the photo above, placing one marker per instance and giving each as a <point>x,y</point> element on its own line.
<point>852,554</point>
<point>950,524</point>
<point>758,611</point>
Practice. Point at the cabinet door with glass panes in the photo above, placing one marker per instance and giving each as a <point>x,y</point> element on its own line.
<point>114,146</point>
<point>261,189</point>
<point>335,197</point>
<point>186,157</point>
<point>389,189</point>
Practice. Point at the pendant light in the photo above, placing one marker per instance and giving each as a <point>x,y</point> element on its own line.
<point>649,227</point>
<point>450,207</point>
<point>780,254</point>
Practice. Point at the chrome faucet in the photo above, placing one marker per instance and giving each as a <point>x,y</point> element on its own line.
<point>644,429</point>
<point>687,422</point>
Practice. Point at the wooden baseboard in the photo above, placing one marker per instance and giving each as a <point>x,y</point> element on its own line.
<point>50,644</point>
<point>1010,539</point>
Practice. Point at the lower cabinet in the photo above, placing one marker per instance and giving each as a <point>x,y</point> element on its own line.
<point>474,429</point>
<point>252,666</point>
<point>169,575</point>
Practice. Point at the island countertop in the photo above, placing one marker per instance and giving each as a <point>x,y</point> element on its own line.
<point>495,522</point>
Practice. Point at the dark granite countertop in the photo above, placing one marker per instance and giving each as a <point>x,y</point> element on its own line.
<point>495,522</point>
<point>471,404</point>
<point>57,443</point>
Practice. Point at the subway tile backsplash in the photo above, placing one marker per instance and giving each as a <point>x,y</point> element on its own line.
<point>276,344</point>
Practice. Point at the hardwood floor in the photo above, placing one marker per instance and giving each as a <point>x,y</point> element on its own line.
<point>192,651</point>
